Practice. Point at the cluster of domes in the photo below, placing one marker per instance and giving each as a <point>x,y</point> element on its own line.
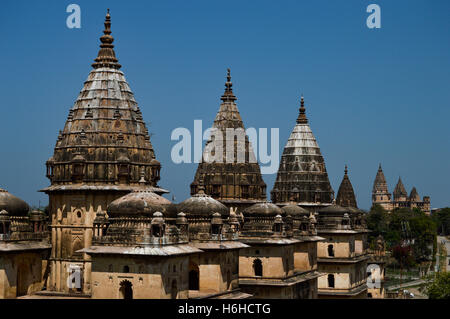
<point>336,217</point>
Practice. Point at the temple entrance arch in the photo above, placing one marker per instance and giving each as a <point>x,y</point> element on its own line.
<point>126,290</point>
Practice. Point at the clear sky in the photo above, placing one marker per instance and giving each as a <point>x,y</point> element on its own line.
<point>372,95</point>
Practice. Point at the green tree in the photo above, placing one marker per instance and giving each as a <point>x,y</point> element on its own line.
<point>377,222</point>
<point>442,220</point>
<point>438,286</point>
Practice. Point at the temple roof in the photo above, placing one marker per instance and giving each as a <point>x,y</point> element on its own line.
<point>12,204</point>
<point>104,128</point>
<point>414,195</point>
<point>203,205</point>
<point>346,196</point>
<point>302,174</point>
<point>141,203</point>
<point>232,177</point>
<point>400,189</point>
<point>380,185</point>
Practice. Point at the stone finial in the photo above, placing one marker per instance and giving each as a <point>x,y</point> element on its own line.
<point>301,119</point>
<point>106,56</point>
<point>228,95</point>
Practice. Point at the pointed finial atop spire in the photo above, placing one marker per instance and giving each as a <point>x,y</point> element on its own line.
<point>301,119</point>
<point>106,56</point>
<point>379,166</point>
<point>346,169</point>
<point>228,95</point>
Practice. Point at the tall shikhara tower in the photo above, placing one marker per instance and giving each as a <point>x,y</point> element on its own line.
<point>236,183</point>
<point>103,152</point>
<point>302,176</point>
<point>380,191</point>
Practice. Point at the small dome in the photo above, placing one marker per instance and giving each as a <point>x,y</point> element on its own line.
<point>154,162</point>
<point>354,210</point>
<point>263,209</point>
<point>336,209</point>
<point>139,203</point>
<point>202,204</point>
<point>12,204</point>
<point>294,210</point>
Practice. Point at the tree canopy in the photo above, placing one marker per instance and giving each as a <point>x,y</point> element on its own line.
<point>438,286</point>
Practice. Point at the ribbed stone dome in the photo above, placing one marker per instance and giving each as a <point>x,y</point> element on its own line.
<point>12,204</point>
<point>141,203</point>
<point>264,209</point>
<point>334,209</point>
<point>294,210</point>
<point>201,204</point>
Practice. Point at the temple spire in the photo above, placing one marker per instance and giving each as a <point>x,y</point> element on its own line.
<point>228,95</point>
<point>106,56</point>
<point>346,196</point>
<point>301,119</point>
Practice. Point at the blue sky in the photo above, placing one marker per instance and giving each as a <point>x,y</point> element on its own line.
<point>372,95</point>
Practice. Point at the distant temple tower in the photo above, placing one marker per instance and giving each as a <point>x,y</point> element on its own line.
<point>400,194</point>
<point>236,182</point>
<point>380,192</point>
<point>302,175</point>
<point>103,153</point>
<point>382,197</point>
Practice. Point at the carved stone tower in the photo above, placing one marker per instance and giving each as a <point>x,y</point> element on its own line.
<point>103,152</point>
<point>346,196</point>
<point>400,191</point>
<point>235,178</point>
<point>302,175</point>
<point>380,192</point>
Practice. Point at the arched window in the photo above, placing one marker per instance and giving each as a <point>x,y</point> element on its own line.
<point>257,267</point>
<point>126,269</point>
<point>330,251</point>
<point>331,281</point>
